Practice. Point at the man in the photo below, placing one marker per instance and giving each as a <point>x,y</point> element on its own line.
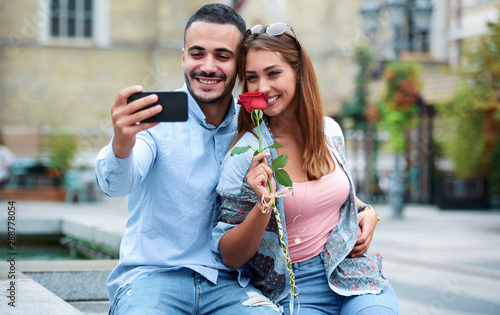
<point>169,172</point>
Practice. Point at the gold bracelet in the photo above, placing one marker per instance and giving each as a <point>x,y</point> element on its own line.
<point>362,208</point>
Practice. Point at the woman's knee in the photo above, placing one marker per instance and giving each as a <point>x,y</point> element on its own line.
<point>384,303</point>
<point>377,310</point>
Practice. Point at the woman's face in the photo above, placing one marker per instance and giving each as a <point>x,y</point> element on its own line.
<point>266,71</point>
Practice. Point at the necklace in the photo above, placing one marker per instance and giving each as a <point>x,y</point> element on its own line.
<point>299,218</point>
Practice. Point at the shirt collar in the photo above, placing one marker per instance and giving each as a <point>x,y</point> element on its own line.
<point>199,116</point>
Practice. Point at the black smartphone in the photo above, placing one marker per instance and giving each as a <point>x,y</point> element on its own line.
<point>174,104</point>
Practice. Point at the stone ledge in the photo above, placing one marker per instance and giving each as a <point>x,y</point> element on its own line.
<point>69,280</point>
<point>92,234</point>
<point>67,265</point>
<point>51,284</point>
<point>34,226</point>
<point>92,307</point>
<point>34,299</point>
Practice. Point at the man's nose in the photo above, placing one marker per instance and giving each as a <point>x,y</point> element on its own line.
<point>209,65</point>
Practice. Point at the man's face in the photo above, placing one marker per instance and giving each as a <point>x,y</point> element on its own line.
<point>209,61</point>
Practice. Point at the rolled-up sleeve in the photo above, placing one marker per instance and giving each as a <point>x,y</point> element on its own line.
<point>119,177</point>
<point>220,229</point>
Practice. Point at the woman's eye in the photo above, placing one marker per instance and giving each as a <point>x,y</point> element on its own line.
<point>273,73</point>
<point>251,78</point>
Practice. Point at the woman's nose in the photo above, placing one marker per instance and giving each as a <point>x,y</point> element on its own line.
<point>264,86</point>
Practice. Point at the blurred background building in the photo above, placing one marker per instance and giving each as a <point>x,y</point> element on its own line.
<point>62,63</point>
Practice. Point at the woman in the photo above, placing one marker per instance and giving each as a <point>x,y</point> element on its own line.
<point>321,218</point>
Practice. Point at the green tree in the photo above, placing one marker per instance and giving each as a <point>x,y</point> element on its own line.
<point>398,107</point>
<point>473,116</point>
<point>355,109</point>
<point>61,148</point>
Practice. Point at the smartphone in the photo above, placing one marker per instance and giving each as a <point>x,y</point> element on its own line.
<point>174,104</point>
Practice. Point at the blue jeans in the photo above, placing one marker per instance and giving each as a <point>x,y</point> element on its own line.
<point>316,297</point>
<point>186,292</point>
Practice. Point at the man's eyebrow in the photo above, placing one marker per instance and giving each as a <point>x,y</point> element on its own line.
<point>224,50</point>
<point>195,47</point>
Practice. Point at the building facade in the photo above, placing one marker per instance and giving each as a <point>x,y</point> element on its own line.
<point>62,62</point>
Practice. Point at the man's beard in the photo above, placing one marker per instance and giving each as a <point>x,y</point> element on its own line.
<point>227,87</point>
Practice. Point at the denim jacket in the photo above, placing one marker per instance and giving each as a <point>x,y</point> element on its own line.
<point>267,268</point>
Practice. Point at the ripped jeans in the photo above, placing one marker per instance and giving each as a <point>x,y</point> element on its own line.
<point>186,292</point>
<point>315,296</point>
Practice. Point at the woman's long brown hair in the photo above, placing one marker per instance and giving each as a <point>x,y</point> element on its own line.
<point>310,112</point>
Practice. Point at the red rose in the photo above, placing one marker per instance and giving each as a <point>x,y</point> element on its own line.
<point>253,100</point>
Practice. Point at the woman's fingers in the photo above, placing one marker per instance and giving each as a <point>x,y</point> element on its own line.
<point>259,174</point>
<point>257,159</point>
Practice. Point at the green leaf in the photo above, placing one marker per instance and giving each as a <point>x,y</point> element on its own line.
<point>274,146</point>
<point>283,178</point>
<point>239,150</point>
<point>279,162</point>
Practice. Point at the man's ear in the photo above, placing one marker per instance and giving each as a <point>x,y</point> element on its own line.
<point>183,57</point>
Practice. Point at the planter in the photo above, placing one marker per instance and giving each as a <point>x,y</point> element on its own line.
<point>457,193</point>
<point>46,193</point>
<point>494,202</point>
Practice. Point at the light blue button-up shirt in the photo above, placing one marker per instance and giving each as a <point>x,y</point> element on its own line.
<point>170,181</point>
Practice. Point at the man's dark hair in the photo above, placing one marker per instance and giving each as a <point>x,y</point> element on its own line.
<point>218,13</point>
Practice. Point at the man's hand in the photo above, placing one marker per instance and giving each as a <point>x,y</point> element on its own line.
<point>367,222</point>
<point>125,117</point>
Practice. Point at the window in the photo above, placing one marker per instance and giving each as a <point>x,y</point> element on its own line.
<point>73,22</point>
<point>72,18</point>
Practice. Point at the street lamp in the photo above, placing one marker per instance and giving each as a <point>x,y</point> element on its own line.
<point>370,10</point>
<point>421,17</point>
<point>396,10</point>
<point>408,20</point>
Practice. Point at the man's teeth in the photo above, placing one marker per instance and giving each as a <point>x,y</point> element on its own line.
<point>208,81</point>
<point>272,99</point>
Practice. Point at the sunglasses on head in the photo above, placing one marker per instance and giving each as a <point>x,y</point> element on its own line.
<point>274,29</point>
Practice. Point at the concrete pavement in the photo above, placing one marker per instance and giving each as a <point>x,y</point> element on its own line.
<point>439,262</point>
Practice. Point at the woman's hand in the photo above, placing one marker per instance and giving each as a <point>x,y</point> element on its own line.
<point>258,175</point>
<point>367,221</point>
<point>240,243</point>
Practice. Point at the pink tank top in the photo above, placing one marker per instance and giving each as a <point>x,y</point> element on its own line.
<point>320,201</point>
